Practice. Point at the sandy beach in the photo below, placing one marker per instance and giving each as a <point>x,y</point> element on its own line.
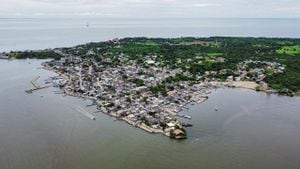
<point>242,84</point>
<point>238,84</point>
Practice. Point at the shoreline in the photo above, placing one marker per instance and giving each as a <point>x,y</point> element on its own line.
<point>246,85</point>
<point>209,85</point>
<point>196,99</point>
<point>237,84</point>
<point>3,57</point>
<point>242,84</point>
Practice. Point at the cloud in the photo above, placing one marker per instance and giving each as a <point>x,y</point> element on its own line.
<point>151,8</point>
<point>206,4</point>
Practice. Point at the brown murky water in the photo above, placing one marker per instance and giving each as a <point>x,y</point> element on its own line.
<point>44,130</point>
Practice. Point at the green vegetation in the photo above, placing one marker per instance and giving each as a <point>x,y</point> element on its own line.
<point>34,54</point>
<point>289,80</point>
<point>138,82</point>
<point>163,124</point>
<point>194,56</point>
<point>289,50</point>
<point>158,89</point>
<point>145,99</point>
<point>178,77</point>
<point>152,113</point>
<point>214,54</point>
<point>147,43</point>
<point>145,120</point>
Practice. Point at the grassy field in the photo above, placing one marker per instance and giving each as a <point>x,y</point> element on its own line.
<point>147,43</point>
<point>290,50</point>
<point>197,55</point>
<point>214,54</point>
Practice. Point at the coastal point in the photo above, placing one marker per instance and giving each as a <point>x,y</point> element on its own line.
<point>149,82</point>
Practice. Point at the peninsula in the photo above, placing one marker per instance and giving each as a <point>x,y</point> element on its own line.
<point>148,81</point>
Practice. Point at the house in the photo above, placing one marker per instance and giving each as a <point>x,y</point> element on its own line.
<point>150,61</point>
<point>171,124</point>
<point>219,59</point>
<point>171,92</point>
<point>230,78</point>
<point>178,132</point>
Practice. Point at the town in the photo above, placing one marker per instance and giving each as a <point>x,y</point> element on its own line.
<point>143,93</point>
<point>149,82</point>
<point>138,94</point>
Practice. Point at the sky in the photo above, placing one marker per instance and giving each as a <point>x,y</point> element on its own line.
<point>151,8</point>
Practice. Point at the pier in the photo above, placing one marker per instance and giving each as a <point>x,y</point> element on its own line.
<point>84,112</point>
<point>36,86</point>
<point>3,57</point>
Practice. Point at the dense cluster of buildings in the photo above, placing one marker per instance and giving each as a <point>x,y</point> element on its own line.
<point>249,70</point>
<point>256,70</point>
<point>3,56</point>
<point>142,92</point>
<point>130,91</point>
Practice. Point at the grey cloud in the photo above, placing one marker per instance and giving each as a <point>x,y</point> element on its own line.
<point>152,8</point>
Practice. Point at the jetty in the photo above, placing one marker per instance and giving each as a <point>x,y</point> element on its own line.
<point>36,86</point>
<point>84,112</point>
<point>3,56</point>
<point>184,116</point>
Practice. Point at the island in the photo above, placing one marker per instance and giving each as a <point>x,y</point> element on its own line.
<point>148,82</point>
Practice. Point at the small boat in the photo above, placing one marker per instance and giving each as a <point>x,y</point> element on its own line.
<point>89,105</point>
<point>187,125</point>
<point>216,109</point>
<point>186,116</point>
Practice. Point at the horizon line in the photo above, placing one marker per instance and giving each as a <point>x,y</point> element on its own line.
<point>118,17</point>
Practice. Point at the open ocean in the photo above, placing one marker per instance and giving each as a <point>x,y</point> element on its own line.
<point>27,34</point>
<point>44,130</point>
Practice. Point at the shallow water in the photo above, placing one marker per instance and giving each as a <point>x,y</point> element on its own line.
<point>44,130</point>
